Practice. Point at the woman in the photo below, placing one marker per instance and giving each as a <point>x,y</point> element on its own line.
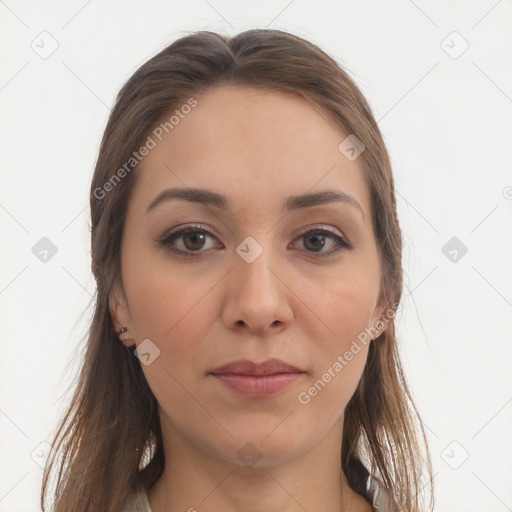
<point>247,253</point>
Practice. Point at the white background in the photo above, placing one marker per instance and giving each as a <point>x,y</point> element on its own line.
<point>447,124</point>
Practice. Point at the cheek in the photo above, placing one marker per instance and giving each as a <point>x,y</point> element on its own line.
<point>164,301</point>
<point>345,307</point>
<point>341,353</point>
<point>329,392</point>
<point>176,312</point>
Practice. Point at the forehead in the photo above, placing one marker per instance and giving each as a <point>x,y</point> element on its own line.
<point>255,146</point>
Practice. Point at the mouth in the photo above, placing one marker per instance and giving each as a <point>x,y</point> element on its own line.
<point>252,379</point>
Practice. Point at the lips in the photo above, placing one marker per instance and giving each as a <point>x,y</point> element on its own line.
<point>250,368</point>
<point>257,380</point>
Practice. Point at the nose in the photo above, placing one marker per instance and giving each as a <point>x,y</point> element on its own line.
<point>257,296</point>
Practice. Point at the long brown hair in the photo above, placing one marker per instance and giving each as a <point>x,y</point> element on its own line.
<point>109,442</point>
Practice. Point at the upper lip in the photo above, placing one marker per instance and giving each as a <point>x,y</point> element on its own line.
<point>247,367</point>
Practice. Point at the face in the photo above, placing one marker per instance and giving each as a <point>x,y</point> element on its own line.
<point>254,279</point>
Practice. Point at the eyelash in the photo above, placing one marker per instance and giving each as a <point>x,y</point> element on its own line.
<point>171,237</point>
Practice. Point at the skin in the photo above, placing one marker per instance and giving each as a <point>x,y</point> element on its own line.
<point>257,148</point>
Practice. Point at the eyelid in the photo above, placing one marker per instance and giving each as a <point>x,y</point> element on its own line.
<point>322,227</point>
<point>189,226</point>
<point>304,230</point>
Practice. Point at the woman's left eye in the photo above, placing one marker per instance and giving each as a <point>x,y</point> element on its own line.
<point>193,240</point>
<point>316,238</point>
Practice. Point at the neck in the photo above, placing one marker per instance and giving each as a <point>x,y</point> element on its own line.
<point>194,480</point>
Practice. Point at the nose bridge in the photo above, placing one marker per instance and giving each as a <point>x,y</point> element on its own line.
<point>257,297</point>
<point>254,266</point>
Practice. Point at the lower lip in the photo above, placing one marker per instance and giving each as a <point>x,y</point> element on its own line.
<point>258,385</point>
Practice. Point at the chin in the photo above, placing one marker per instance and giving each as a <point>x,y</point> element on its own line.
<point>256,447</point>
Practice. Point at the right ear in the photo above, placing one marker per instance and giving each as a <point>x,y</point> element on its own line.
<point>120,314</point>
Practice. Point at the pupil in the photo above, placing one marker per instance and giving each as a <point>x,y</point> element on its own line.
<point>195,237</point>
<point>318,238</point>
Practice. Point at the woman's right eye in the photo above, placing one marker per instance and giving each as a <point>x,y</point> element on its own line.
<point>195,236</point>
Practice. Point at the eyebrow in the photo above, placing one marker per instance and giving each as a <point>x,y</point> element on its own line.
<point>208,197</point>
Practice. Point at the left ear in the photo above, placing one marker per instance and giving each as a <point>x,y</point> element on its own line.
<point>380,320</point>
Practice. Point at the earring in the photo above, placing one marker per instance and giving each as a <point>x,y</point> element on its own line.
<point>379,326</point>
<point>122,331</point>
